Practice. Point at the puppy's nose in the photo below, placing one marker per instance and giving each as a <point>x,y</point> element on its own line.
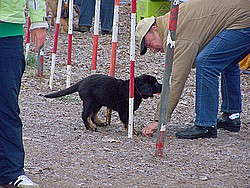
<point>157,88</point>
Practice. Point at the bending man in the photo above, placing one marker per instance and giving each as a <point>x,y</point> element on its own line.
<point>216,35</point>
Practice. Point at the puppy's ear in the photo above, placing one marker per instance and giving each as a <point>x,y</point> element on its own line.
<point>146,90</point>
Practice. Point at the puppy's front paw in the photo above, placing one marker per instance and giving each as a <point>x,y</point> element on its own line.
<point>135,132</point>
<point>103,124</point>
<point>94,129</point>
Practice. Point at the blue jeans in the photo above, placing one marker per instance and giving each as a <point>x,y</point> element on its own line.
<point>87,12</point>
<point>220,57</point>
<point>12,65</point>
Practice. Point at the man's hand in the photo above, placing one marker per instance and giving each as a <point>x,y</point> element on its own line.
<point>150,129</point>
<point>38,37</point>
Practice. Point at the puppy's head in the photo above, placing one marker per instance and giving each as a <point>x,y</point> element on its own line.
<point>65,10</point>
<point>147,85</point>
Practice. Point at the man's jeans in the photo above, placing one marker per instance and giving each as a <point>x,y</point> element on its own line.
<point>12,65</point>
<point>220,57</point>
<point>87,12</point>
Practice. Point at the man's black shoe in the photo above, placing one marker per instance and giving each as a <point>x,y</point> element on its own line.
<point>230,122</point>
<point>82,29</point>
<point>106,32</point>
<point>195,132</point>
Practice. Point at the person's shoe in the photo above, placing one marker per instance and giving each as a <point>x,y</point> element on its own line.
<point>229,121</point>
<point>195,132</point>
<point>106,32</point>
<point>24,182</point>
<point>7,186</point>
<point>82,28</point>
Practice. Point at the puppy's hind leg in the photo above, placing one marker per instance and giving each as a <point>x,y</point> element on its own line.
<point>86,117</point>
<point>95,118</point>
<point>91,124</point>
<point>97,121</point>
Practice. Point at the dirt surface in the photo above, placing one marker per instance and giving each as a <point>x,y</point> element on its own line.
<point>60,152</point>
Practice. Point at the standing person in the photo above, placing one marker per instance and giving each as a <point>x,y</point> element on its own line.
<point>216,35</point>
<point>87,12</point>
<point>12,66</point>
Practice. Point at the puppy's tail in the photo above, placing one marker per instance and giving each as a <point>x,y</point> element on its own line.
<point>69,90</point>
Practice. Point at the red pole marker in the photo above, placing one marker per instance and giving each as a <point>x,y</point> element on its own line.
<point>166,76</point>
<point>132,69</point>
<point>27,41</point>
<point>40,61</point>
<point>96,34</point>
<point>113,50</point>
<point>70,38</point>
<point>53,63</point>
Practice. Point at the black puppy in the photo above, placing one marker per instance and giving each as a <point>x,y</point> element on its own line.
<point>100,90</point>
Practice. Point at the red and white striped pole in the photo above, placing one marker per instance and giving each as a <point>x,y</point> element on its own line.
<point>132,69</point>
<point>166,76</point>
<point>113,50</point>
<point>40,61</point>
<point>59,6</point>
<point>70,37</point>
<point>114,38</point>
<point>27,41</point>
<point>96,34</point>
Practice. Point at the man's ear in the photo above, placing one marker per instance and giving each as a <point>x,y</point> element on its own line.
<point>154,27</point>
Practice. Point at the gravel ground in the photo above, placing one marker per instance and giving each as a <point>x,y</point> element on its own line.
<point>60,152</point>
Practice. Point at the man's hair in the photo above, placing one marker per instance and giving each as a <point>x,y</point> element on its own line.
<point>154,24</point>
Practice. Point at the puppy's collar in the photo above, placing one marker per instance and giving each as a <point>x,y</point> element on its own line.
<point>138,91</point>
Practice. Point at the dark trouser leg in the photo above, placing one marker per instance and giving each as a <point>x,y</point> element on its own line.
<point>11,147</point>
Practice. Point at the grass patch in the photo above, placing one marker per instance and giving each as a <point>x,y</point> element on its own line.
<point>68,97</point>
<point>32,65</point>
<point>31,60</point>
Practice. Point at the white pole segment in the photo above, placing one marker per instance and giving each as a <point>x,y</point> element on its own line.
<point>59,6</point>
<point>132,60</point>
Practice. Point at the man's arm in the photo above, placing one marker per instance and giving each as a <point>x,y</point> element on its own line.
<point>37,12</point>
<point>184,57</point>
